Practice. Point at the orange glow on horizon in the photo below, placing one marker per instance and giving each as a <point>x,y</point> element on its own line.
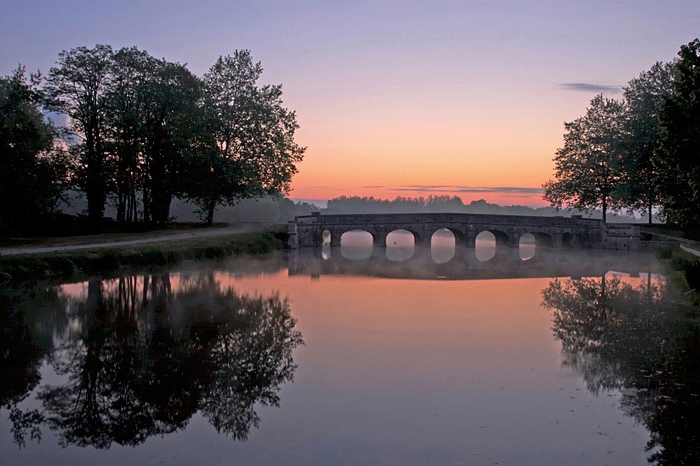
<point>389,160</point>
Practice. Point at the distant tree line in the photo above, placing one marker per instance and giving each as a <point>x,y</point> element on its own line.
<point>141,132</point>
<point>432,203</point>
<point>641,153</point>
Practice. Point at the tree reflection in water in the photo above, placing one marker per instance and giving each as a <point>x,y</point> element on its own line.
<point>140,360</point>
<point>643,341</point>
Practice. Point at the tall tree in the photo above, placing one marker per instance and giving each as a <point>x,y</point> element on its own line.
<point>678,158</point>
<point>130,71</point>
<point>588,167</point>
<point>77,88</point>
<point>253,136</point>
<point>644,97</point>
<point>171,99</point>
<point>32,168</point>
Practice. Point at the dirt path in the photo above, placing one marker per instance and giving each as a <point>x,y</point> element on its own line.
<point>181,236</point>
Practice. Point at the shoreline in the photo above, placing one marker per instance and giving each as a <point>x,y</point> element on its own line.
<point>103,258</point>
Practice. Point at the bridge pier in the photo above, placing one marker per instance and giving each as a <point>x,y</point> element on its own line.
<point>379,239</point>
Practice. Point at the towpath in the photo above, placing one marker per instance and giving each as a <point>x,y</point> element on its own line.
<point>99,242</point>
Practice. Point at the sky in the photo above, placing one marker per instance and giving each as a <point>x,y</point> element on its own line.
<point>393,98</point>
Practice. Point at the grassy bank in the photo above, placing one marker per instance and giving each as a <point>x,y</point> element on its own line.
<point>88,262</point>
<point>684,271</point>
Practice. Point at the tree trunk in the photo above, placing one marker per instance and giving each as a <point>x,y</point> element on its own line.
<point>605,207</point>
<point>211,207</point>
<point>94,184</point>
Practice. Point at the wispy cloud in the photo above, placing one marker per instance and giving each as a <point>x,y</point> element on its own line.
<point>590,87</point>
<point>461,189</point>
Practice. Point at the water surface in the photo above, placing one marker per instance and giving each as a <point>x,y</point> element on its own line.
<point>317,358</point>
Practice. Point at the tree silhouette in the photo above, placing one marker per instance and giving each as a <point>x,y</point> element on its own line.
<point>589,166</point>
<point>676,159</point>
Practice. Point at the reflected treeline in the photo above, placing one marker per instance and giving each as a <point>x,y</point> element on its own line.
<point>643,341</point>
<point>136,358</point>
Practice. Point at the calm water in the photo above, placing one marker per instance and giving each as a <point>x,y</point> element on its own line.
<point>407,356</point>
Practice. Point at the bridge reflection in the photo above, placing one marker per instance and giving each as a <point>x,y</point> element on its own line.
<point>465,265</point>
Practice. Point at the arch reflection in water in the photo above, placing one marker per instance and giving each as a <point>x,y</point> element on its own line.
<point>326,252</point>
<point>485,246</point>
<point>527,246</point>
<point>140,355</point>
<point>400,245</point>
<point>442,246</point>
<point>356,245</point>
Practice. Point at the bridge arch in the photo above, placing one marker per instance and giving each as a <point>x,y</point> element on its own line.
<point>459,235</point>
<point>443,245</point>
<point>527,246</point>
<point>400,245</point>
<point>356,244</point>
<point>502,238</point>
<point>399,235</point>
<point>485,245</point>
<point>326,237</point>
<point>567,240</point>
<point>543,239</point>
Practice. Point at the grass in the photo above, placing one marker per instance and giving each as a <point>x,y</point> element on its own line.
<point>88,262</point>
<point>684,271</point>
<point>108,236</point>
<point>690,233</point>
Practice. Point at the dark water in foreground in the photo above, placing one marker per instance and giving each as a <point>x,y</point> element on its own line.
<point>577,360</point>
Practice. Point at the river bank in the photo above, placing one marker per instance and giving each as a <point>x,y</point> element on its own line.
<point>80,260</point>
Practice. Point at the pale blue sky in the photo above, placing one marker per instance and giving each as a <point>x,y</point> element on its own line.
<point>470,93</point>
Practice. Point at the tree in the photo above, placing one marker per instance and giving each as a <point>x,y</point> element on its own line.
<point>130,70</point>
<point>77,88</point>
<point>588,167</point>
<point>32,168</point>
<point>171,100</point>
<point>644,97</point>
<point>678,157</point>
<point>252,136</point>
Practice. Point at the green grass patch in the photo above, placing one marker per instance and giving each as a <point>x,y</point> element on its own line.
<point>108,261</point>
<point>684,271</point>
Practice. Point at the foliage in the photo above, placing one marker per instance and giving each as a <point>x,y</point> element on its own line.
<point>171,117</point>
<point>253,152</point>
<point>644,97</point>
<point>147,131</point>
<point>78,88</point>
<point>33,170</point>
<point>678,159</point>
<point>589,166</point>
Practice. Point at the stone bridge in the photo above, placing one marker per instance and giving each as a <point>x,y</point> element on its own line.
<point>307,231</point>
